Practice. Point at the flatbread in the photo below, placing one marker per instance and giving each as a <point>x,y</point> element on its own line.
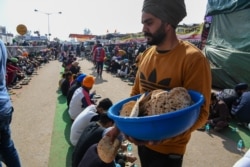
<point>127,108</point>
<point>107,151</point>
<point>160,101</point>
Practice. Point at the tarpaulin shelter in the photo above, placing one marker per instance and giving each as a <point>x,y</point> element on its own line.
<point>228,42</point>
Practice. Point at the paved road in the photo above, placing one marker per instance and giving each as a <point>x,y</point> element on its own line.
<point>34,114</point>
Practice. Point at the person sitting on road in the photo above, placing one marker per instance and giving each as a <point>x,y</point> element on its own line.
<point>114,66</point>
<point>75,85</point>
<point>14,73</point>
<point>123,72</point>
<point>228,96</point>
<point>61,80</point>
<point>85,153</point>
<point>219,115</point>
<point>90,135</point>
<point>66,83</point>
<point>75,68</point>
<point>240,109</point>
<point>82,97</point>
<point>132,73</point>
<point>89,114</point>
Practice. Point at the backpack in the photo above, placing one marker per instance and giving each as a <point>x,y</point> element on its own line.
<point>98,55</point>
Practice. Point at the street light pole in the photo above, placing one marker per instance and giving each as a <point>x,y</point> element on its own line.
<point>48,14</point>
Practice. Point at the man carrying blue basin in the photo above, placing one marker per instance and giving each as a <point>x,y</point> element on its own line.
<point>166,64</point>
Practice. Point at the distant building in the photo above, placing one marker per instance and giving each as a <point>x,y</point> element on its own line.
<point>4,36</point>
<point>81,37</point>
<point>35,38</point>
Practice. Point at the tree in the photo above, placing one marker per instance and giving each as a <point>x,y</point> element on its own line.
<point>37,33</point>
<point>86,31</point>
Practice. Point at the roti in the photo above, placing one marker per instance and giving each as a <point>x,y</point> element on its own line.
<point>107,150</point>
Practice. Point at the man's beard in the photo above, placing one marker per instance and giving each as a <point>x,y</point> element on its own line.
<point>156,38</point>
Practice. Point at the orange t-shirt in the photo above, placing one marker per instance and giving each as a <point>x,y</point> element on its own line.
<point>184,66</point>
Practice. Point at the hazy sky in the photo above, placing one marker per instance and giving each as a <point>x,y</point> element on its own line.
<point>96,15</point>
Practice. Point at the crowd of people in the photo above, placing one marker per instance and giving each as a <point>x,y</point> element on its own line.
<point>229,105</point>
<point>168,63</point>
<point>124,64</point>
<point>89,117</point>
<point>22,65</point>
<point>118,60</point>
<point>225,106</point>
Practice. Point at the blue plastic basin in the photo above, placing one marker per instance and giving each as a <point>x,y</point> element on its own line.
<point>157,127</point>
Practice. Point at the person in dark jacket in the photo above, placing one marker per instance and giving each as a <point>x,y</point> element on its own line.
<point>75,68</point>
<point>219,115</point>
<point>66,83</point>
<point>91,135</point>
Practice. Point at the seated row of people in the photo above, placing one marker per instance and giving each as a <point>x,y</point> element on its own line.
<point>76,88</point>
<point>124,68</point>
<point>82,97</point>
<point>87,130</point>
<point>89,120</point>
<point>19,69</point>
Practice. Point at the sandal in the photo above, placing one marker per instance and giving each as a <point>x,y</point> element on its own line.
<point>11,92</point>
<point>26,79</point>
<point>131,84</point>
<point>97,96</point>
<point>17,87</point>
<point>24,83</point>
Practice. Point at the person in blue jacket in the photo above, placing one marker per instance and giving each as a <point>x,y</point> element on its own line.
<point>8,152</point>
<point>241,107</point>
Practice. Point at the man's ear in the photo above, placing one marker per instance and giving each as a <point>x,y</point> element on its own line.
<point>168,26</point>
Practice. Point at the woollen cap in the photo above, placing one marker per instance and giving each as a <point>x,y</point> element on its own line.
<point>241,86</point>
<point>88,81</point>
<point>169,11</point>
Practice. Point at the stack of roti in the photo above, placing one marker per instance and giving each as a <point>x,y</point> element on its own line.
<point>154,103</point>
<point>157,102</point>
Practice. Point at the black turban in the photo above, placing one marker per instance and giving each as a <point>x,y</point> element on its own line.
<point>241,86</point>
<point>170,11</point>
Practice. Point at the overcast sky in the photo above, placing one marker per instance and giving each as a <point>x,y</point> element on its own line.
<point>77,15</point>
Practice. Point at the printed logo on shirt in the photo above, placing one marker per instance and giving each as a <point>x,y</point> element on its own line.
<point>151,83</point>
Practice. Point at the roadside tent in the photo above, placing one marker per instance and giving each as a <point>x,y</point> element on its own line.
<point>228,42</point>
